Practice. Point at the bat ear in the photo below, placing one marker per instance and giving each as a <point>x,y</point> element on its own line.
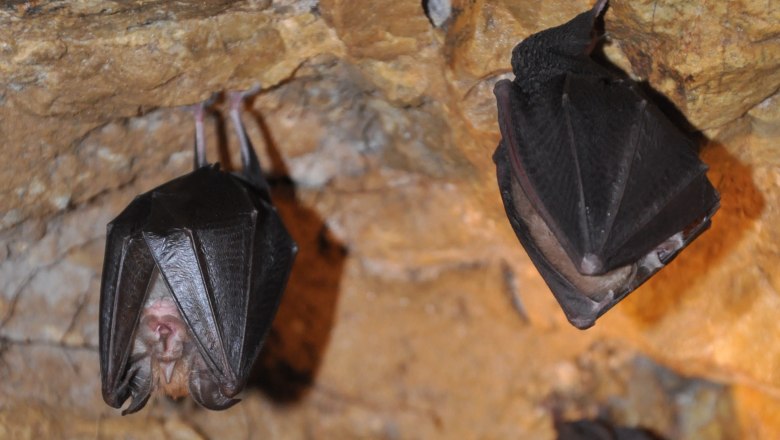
<point>207,393</point>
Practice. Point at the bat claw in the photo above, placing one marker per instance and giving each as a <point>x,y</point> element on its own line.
<point>136,404</point>
<point>202,105</point>
<point>211,99</point>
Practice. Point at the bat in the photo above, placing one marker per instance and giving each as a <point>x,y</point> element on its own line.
<point>600,430</point>
<point>192,277</point>
<point>601,188</point>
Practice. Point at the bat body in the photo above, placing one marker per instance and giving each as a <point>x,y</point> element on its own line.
<point>600,187</point>
<point>193,273</point>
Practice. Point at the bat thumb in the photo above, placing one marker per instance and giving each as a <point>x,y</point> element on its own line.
<point>207,393</point>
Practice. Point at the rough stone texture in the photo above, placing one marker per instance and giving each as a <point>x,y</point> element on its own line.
<point>412,311</point>
<point>714,60</point>
<point>69,68</point>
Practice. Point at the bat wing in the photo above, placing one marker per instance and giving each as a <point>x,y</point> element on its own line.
<point>606,176</point>
<point>224,256</point>
<point>226,269</point>
<point>127,270</point>
<point>640,176</point>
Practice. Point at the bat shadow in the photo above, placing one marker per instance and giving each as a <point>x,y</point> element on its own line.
<point>741,205</point>
<point>288,363</point>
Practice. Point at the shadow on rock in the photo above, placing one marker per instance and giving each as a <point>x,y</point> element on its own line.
<point>741,205</point>
<point>294,349</point>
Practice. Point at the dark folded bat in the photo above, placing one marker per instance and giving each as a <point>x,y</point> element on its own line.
<point>600,187</point>
<point>600,430</point>
<point>192,277</point>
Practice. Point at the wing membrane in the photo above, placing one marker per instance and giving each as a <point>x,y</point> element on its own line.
<point>123,292</point>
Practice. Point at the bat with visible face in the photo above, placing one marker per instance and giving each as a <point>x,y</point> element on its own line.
<point>193,274</point>
<point>601,188</point>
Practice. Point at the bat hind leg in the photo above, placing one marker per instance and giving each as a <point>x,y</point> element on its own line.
<point>199,110</point>
<point>249,160</point>
<point>200,136</point>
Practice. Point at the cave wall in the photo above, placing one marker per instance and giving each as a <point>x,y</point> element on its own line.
<point>412,311</point>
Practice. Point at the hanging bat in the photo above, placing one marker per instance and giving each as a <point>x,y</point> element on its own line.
<point>599,185</point>
<point>600,430</point>
<point>193,274</point>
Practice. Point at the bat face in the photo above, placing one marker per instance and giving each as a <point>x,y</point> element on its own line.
<point>163,343</point>
<point>193,274</point>
<point>600,187</point>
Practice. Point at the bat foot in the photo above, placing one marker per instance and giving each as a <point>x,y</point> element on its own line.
<point>236,97</point>
<point>199,110</point>
<point>200,107</point>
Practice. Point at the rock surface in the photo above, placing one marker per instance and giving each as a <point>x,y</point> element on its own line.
<point>412,311</point>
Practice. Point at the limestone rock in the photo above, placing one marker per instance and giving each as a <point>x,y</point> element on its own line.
<point>378,29</point>
<point>412,311</point>
<point>715,61</point>
<point>68,69</point>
